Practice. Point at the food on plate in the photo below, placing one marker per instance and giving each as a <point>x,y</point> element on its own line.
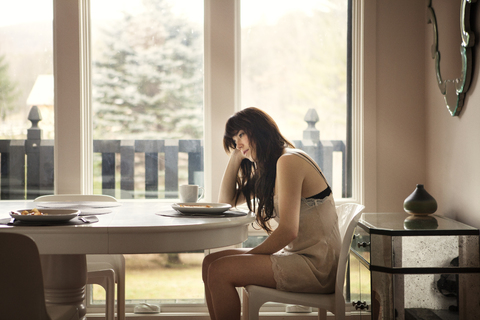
<point>195,206</point>
<point>33,212</point>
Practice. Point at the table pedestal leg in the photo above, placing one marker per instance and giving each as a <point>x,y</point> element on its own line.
<point>65,278</point>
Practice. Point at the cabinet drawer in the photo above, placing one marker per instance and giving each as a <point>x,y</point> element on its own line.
<point>361,243</point>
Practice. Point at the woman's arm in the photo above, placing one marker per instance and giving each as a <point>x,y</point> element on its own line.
<point>228,185</point>
<point>289,180</point>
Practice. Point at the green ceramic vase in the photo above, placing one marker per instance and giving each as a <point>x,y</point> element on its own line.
<point>420,202</point>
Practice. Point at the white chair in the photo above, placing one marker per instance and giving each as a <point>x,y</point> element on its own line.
<point>21,286</point>
<point>104,270</point>
<point>255,296</point>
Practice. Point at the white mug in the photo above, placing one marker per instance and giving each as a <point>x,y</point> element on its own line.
<point>190,193</point>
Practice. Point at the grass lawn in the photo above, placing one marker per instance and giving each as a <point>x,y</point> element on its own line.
<point>154,277</point>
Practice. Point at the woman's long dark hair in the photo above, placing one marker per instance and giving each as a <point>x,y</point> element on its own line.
<point>256,180</point>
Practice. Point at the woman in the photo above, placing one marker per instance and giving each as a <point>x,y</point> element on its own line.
<point>280,182</point>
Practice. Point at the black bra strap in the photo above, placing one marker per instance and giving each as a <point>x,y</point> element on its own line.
<point>322,195</point>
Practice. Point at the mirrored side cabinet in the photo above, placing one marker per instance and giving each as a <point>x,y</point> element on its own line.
<point>408,267</point>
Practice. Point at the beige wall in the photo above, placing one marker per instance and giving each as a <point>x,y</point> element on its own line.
<point>453,144</point>
<point>399,116</point>
<point>417,141</point>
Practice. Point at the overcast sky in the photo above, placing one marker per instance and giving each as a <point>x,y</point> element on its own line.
<point>15,12</point>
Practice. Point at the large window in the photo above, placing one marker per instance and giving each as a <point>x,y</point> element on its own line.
<point>147,87</point>
<point>147,83</point>
<point>141,78</point>
<point>173,71</point>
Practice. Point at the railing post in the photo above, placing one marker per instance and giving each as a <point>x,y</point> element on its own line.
<point>4,167</point>
<point>171,168</point>
<point>151,175</point>
<point>151,149</point>
<point>32,149</point>
<point>339,146</point>
<point>46,167</point>
<point>327,157</point>
<point>311,143</point>
<point>16,170</point>
<point>194,149</point>
<point>127,169</point>
<point>195,168</point>
<point>108,149</point>
<point>12,171</point>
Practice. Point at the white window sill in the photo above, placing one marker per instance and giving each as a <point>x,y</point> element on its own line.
<point>204,316</point>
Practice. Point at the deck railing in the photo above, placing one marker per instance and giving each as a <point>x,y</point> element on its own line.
<point>27,165</point>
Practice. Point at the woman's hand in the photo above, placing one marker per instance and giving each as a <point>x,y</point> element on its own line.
<point>229,180</point>
<point>237,155</point>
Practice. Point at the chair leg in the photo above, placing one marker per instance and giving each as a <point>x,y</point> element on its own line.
<point>245,301</point>
<point>251,305</point>
<point>121,297</point>
<point>108,284</point>
<point>322,314</point>
<point>245,308</point>
<point>110,300</point>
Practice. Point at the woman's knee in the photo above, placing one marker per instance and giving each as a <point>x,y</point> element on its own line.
<point>208,260</point>
<point>206,265</point>
<point>213,258</point>
<point>218,271</point>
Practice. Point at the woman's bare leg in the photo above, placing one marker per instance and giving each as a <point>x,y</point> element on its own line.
<point>231,271</point>
<point>206,265</point>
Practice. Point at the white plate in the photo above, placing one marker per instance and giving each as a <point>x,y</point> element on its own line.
<point>48,215</point>
<point>201,207</point>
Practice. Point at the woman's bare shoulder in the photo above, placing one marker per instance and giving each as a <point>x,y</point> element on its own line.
<point>293,153</point>
<point>290,158</point>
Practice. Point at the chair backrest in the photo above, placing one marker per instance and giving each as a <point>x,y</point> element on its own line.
<point>348,216</point>
<point>21,285</point>
<point>75,197</point>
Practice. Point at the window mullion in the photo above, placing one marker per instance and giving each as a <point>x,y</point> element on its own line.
<point>86,99</point>
<point>220,86</point>
<point>68,106</point>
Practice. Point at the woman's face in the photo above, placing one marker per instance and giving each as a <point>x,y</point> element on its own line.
<point>241,140</point>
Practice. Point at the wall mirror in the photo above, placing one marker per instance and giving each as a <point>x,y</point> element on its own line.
<point>451,32</point>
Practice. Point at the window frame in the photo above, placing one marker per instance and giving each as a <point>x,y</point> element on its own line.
<point>74,150</point>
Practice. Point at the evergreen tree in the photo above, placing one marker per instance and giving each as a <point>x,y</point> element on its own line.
<point>148,82</point>
<point>8,90</point>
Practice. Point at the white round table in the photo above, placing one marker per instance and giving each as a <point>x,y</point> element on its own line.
<point>136,226</point>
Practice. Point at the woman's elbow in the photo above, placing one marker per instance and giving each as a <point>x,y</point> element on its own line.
<point>290,235</point>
